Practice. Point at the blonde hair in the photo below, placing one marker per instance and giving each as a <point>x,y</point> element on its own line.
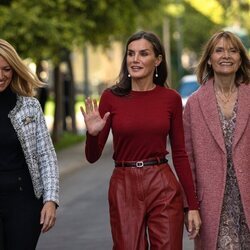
<point>24,81</point>
<point>204,71</point>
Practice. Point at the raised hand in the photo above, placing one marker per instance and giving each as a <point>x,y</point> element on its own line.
<point>93,121</point>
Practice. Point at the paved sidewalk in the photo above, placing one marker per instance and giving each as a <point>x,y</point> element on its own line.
<point>73,158</point>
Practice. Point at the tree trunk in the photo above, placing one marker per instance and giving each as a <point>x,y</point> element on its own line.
<point>72,93</point>
<point>42,93</point>
<point>59,109</point>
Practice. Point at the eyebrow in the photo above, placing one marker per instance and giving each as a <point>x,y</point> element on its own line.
<point>221,47</point>
<point>142,50</point>
<point>6,66</point>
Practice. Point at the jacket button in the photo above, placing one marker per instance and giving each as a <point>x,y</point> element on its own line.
<point>19,178</point>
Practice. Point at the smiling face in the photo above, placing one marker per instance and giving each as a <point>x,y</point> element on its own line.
<point>141,59</point>
<point>6,74</point>
<point>225,58</point>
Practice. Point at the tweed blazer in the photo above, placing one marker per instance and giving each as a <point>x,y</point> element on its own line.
<point>30,126</point>
<point>207,154</point>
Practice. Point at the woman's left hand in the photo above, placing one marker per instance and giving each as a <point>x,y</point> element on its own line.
<point>48,216</point>
<point>193,223</point>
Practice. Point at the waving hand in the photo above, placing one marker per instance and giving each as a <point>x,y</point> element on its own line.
<point>93,121</point>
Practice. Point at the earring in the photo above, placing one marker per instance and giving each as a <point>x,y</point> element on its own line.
<point>129,75</point>
<point>156,72</point>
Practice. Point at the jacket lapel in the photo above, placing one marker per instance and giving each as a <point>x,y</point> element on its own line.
<point>208,105</point>
<point>243,112</point>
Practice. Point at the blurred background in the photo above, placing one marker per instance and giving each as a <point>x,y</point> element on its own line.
<point>76,46</point>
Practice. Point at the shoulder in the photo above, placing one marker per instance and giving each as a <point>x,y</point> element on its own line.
<point>200,92</point>
<point>168,91</point>
<point>168,94</point>
<point>27,100</point>
<point>107,92</point>
<point>28,103</point>
<point>107,96</point>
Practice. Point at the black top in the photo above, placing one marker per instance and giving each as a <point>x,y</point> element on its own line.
<point>11,154</point>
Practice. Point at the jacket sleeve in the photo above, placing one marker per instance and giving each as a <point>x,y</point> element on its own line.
<point>47,160</point>
<point>187,123</point>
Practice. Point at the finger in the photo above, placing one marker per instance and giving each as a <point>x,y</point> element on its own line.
<point>48,223</point>
<point>194,234</point>
<point>44,220</point>
<point>42,217</point>
<point>95,104</point>
<point>105,117</point>
<point>190,226</point>
<point>82,111</point>
<point>45,228</point>
<point>88,105</point>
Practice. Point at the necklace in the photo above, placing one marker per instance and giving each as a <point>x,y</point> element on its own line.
<point>225,97</point>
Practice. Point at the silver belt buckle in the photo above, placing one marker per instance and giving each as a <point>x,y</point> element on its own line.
<point>139,164</point>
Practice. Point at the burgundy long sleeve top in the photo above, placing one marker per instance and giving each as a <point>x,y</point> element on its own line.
<point>141,123</point>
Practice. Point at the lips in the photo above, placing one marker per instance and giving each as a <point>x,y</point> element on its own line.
<point>226,63</point>
<point>136,67</point>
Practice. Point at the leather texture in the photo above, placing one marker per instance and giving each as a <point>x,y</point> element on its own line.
<point>146,208</point>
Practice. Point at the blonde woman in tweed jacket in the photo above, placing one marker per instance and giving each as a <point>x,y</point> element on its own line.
<point>217,131</point>
<point>29,181</point>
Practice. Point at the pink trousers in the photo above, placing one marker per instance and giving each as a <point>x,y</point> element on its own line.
<point>146,208</point>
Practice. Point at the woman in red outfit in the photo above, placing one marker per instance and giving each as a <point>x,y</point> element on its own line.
<point>145,197</point>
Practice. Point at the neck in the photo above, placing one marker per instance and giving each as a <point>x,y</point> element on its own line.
<point>225,85</point>
<point>225,91</point>
<point>142,85</point>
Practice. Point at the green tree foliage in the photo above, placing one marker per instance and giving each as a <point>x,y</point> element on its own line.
<point>41,28</point>
<point>45,28</point>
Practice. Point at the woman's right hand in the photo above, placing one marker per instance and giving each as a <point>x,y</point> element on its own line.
<point>193,223</point>
<point>93,121</point>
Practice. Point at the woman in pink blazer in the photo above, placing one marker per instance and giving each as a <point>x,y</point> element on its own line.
<point>217,135</point>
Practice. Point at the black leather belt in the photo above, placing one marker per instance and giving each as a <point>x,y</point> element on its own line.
<point>140,164</point>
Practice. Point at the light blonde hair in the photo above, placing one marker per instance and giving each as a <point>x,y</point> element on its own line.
<point>24,81</point>
<point>204,71</point>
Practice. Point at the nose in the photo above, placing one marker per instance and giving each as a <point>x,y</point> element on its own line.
<point>226,53</point>
<point>1,74</point>
<point>136,57</point>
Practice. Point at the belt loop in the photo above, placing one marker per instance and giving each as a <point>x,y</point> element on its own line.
<point>158,160</point>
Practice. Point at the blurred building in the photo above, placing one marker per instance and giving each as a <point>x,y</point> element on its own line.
<point>103,67</point>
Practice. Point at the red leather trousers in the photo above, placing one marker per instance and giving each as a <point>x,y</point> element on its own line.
<point>146,208</point>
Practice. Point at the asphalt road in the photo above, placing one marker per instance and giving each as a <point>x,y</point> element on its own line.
<point>82,218</point>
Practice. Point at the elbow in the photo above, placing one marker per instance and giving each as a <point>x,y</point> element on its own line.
<point>91,160</point>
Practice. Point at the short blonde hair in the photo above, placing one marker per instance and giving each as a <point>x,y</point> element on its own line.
<point>24,81</point>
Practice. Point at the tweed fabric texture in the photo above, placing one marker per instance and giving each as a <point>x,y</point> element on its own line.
<point>29,123</point>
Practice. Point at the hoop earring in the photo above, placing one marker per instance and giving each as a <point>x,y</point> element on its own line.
<point>156,72</point>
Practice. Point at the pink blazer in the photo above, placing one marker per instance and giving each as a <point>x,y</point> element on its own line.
<point>207,154</point>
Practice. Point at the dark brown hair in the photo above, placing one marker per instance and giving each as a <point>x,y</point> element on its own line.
<point>123,86</point>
